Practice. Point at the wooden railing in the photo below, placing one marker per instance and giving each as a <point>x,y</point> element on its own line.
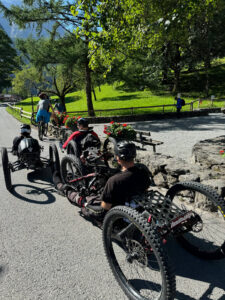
<point>23,113</point>
<point>30,115</point>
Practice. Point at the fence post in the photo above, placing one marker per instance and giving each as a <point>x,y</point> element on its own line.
<point>191,106</point>
<point>163,109</point>
<point>21,111</point>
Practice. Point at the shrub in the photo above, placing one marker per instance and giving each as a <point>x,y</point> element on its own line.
<point>120,131</point>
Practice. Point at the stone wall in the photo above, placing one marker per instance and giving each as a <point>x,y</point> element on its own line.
<point>206,166</point>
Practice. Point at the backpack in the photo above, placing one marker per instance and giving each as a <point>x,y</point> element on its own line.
<point>90,141</point>
<point>182,102</point>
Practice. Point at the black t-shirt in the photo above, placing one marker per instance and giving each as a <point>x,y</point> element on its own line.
<point>121,186</point>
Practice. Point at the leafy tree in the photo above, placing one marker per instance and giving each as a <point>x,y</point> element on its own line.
<point>57,64</point>
<point>42,11</point>
<point>7,59</point>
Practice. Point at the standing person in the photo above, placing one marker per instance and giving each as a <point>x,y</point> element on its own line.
<point>43,108</point>
<point>119,188</point>
<point>58,106</point>
<point>178,105</point>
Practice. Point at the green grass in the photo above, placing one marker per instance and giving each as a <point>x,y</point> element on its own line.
<point>16,115</point>
<point>111,97</point>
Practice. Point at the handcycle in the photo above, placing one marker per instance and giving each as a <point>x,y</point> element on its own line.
<point>133,235</point>
<point>32,161</point>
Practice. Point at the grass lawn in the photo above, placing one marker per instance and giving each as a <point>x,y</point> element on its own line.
<point>111,97</point>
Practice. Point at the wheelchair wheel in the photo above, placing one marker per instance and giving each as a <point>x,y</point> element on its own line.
<point>6,169</point>
<point>109,148</point>
<point>41,130</point>
<point>71,170</point>
<point>206,239</point>
<point>54,158</point>
<point>136,256</point>
<point>72,148</point>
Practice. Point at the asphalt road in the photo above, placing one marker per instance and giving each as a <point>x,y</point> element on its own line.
<point>47,251</point>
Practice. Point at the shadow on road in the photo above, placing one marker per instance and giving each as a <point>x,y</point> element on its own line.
<point>36,191</point>
<point>43,177</point>
<point>190,267</point>
<point>212,122</point>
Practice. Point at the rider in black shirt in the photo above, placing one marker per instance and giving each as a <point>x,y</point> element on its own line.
<point>118,189</point>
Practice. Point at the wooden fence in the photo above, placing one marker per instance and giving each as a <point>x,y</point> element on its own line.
<point>30,115</point>
<point>23,113</point>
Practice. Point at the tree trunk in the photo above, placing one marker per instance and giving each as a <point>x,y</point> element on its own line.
<point>93,91</point>
<point>62,99</point>
<point>90,107</point>
<point>176,80</point>
<point>207,64</point>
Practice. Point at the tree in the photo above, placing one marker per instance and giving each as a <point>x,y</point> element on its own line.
<point>56,64</point>
<point>42,11</point>
<point>7,59</point>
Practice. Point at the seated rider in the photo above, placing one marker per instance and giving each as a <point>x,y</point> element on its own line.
<point>43,108</point>
<point>29,143</point>
<point>119,188</point>
<point>83,131</point>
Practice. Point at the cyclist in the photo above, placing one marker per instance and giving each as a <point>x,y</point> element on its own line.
<point>118,189</point>
<point>43,108</point>
<point>25,131</point>
<point>81,133</point>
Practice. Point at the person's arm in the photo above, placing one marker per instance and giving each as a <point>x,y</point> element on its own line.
<point>51,107</point>
<point>72,136</point>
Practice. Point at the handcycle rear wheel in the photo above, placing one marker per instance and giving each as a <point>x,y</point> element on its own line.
<point>72,148</point>
<point>6,169</point>
<point>206,238</point>
<point>136,256</point>
<point>54,158</point>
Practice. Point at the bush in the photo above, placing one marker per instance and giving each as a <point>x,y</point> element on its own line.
<point>59,118</point>
<point>70,122</point>
<point>120,131</point>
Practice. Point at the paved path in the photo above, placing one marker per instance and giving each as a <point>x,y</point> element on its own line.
<point>180,135</point>
<point>47,251</point>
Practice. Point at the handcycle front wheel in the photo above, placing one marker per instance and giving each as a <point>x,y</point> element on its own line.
<point>71,169</point>
<point>6,169</point>
<point>136,256</point>
<point>207,236</point>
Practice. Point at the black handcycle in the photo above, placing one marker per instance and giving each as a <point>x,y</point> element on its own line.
<point>134,234</point>
<point>32,161</point>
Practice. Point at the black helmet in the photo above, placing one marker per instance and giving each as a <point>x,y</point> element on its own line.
<point>25,128</point>
<point>126,150</point>
<point>83,122</point>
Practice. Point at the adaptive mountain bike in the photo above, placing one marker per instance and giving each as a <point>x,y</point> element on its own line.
<point>134,234</point>
<point>42,129</point>
<point>31,160</point>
